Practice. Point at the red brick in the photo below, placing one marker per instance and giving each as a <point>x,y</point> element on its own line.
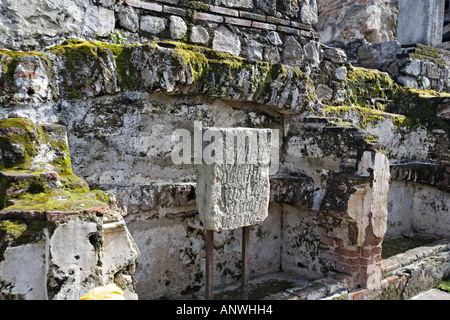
<point>366,253</point>
<point>392,279</point>
<point>239,22</point>
<point>102,209</point>
<point>364,261</point>
<point>208,17</point>
<point>145,5</point>
<point>21,214</point>
<point>262,25</point>
<point>376,258</point>
<point>327,240</point>
<point>358,295</point>
<point>377,250</point>
<point>339,242</point>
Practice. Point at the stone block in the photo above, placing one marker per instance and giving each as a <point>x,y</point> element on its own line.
<point>265,26</point>
<point>128,18</point>
<point>341,73</point>
<point>252,16</point>
<point>199,34</point>
<point>420,22</point>
<point>239,22</point>
<point>208,17</point>
<point>226,41</point>
<point>313,52</point>
<point>274,38</point>
<point>225,11</point>
<point>174,10</point>
<point>233,186</point>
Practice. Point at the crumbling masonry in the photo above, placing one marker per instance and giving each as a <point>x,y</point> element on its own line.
<point>91,92</point>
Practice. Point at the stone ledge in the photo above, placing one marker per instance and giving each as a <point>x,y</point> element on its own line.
<point>389,265</point>
<point>432,174</point>
<point>328,288</point>
<point>49,215</point>
<point>284,189</point>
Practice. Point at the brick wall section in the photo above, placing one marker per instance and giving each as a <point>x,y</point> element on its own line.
<point>347,21</point>
<point>363,263</point>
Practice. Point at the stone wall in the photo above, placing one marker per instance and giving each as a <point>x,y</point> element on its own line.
<point>52,221</point>
<point>421,22</point>
<point>258,30</point>
<point>419,66</point>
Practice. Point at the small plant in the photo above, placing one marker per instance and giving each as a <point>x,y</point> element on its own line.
<point>117,36</point>
<point>444,285</point>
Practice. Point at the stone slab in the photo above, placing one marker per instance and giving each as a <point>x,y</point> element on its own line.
<point>233,186</point>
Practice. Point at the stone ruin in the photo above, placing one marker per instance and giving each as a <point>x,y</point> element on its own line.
<point>92,92</point>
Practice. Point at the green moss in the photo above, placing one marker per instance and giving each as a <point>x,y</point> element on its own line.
<point>31,183</point>
<point>418,107</point>
<point>19,138</point>
<point>373,96</point>
<point>22,231</point>
<point>100,195</point>
<point>423,52</point>
<point>23,189</point>
<point>367,116</point>
<point>117,36</point>
<point>340,123</point>
<point>11,59</point>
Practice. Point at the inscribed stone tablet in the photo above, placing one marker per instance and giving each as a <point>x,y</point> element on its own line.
<point>233,181</point>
